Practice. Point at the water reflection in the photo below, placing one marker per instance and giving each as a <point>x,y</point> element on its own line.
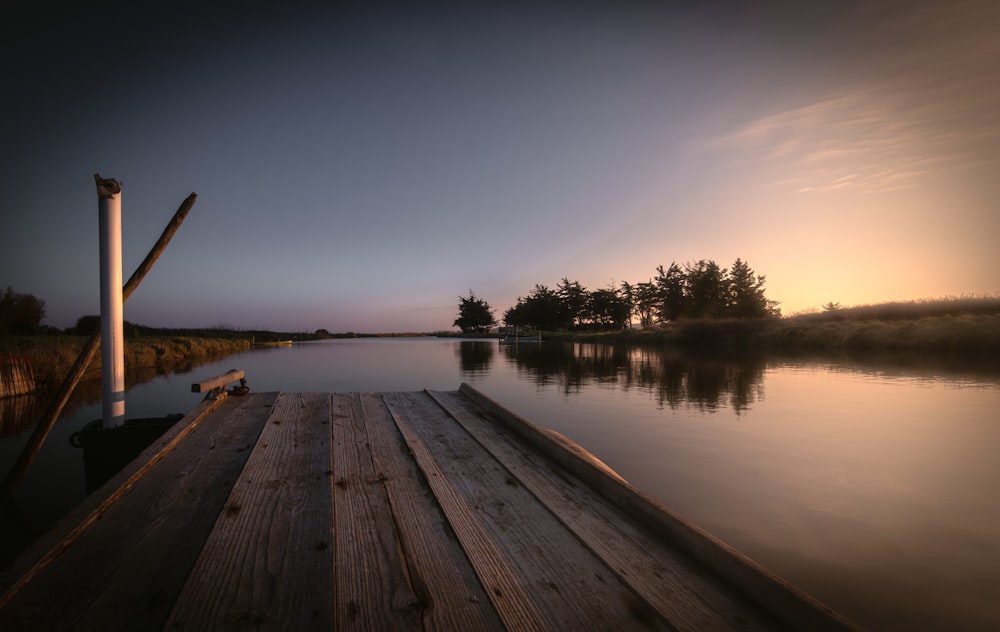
<point>20,414</point>
<point>475,357</point>
<point>675,379</point>
<point>902,365</point>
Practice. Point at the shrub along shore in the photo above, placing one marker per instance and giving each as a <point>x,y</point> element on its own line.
<point>51,357</point>
<point>966,326</point>
<point>951,334</point>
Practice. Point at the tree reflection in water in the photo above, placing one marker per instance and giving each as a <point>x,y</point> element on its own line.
<point>675,379</point>
<point>475,356</point>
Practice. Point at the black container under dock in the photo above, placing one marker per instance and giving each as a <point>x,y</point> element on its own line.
<point>383,511</point>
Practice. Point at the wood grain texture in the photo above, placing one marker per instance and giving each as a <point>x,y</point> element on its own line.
<point>268,562</point>
<point>658,574</point>
<point>146,533</point>
<point>371,585</point>
<point>450,594</point>
<point>51,545</point>
<point>727,565</point>
<point>567,583</point>
<point>510,595</point>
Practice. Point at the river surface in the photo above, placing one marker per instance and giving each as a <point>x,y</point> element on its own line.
<point>873,484</point>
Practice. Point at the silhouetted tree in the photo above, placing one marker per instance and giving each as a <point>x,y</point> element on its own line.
<point>645,302</point>
<point>20,314</point>
<point>574,301</point>
<point>474,314</point>
<point>746,293</point>
<point>672,292</point>
<point>607,309</point>
<point>627,294</point>
<point>542,309</point>
<point>707,290</point>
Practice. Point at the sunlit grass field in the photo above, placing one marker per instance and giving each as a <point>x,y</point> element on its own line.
<point>949,324</point>
<point>954,325</point>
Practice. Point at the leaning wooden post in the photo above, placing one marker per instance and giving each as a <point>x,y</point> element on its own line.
<point>109,202</point>
<point>34,445</point>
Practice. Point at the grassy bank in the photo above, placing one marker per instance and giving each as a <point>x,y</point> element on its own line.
<point>965,325</point>
<point>968,333</point>
<point>52,357</point>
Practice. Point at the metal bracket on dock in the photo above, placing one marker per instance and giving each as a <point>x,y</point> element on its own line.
<point>216,387</point>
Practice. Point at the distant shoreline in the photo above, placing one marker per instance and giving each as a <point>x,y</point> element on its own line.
<point>962,326</point>
<point>967,334</point>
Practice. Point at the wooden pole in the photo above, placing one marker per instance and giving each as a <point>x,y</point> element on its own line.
<point>31,449</point>
<point>158,247</point>
<point>218,381</point>
<point>109,202</point>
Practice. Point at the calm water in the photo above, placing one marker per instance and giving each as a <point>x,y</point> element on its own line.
<point>874,485</point>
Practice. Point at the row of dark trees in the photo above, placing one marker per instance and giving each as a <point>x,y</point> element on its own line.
<point>701,290</point>
<point>571,306</point>
<point>692,291</point>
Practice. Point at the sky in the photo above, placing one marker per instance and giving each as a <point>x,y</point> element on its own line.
<point>360,169</point>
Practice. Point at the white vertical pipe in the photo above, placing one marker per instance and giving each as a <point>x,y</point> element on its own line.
<point>112,335</point>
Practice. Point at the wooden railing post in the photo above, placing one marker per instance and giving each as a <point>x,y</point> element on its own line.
<point>30,451</point>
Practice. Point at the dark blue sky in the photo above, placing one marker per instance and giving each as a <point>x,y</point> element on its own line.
<point>360,169</point>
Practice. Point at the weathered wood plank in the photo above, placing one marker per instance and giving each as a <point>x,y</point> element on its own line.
<point>793,606</point>
<point>657,573</point>
<point>126,569</point>
<point>567,583</point>
<point>451,596</point>
<point>509,595</point>
<point>268,562</point>
<point>370,582</point>
<point>218,381</point>
<point>54,543</point>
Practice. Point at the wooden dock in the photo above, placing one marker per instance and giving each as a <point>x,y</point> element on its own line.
<point>383,511</point>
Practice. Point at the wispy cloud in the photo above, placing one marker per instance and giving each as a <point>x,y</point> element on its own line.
<point>865,141</point>
<point>927,106</point>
